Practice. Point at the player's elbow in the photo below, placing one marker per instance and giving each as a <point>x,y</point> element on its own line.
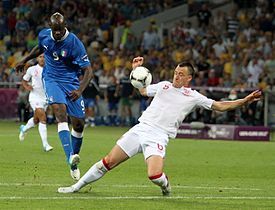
<point>219,106</point>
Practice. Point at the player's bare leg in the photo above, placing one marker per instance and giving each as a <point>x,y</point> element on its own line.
<point>156,174</point>
<point>98,170</point>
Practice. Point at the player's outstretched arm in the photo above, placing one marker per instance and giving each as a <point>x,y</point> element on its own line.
<point>229,105</point>
<point>35,52</point>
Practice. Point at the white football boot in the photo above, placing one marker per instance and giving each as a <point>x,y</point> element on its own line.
<point>47,148</point>
<point>75,174</point>
<point>70,189</point>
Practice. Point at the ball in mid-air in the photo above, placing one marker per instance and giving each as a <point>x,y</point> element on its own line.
<point>140,77</point>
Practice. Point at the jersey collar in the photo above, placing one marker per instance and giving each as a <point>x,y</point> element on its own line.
<point>64,37</point>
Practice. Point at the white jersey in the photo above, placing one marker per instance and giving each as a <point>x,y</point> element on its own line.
<point>171,105</point>
<point>34,73</point>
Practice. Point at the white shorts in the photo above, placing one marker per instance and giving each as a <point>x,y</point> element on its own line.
<point>38,104</point>
<point>144,138</point>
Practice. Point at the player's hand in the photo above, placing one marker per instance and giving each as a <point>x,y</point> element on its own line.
<point>254,96</point>
<point>19,67</point>
<point>75,94</point>
<point>137,61</point>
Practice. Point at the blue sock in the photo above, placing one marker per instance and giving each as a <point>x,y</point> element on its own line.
<point>64,136</point>
<point>76,143</point>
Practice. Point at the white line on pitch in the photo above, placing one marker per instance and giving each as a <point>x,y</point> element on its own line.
<point>138,198</point>
<point>131,186</point>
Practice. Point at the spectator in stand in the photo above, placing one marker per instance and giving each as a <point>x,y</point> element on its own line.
<point>112,98</point>
<point>213,80</point>
<point>126,92</point>
<point>177,32</point>
<point>91,97</point>
<point>131,44</point>
<point>22,104</point>
<point>22,28</point>
<point>150,39</point>
<point>203,16</point>
<point>219,20</point>
<point>254,70</point>
<point>232,24</point>
<point>3,24</point>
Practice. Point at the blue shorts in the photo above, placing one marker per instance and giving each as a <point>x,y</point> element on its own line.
<point>89,102</point>
<point>58,93</point>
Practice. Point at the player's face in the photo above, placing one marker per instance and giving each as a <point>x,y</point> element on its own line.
<point>58,30</point>
<point>181,77</point>
<point>40,60</point>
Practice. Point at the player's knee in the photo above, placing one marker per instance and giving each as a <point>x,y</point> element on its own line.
<point>36,120</point>
<point>110,162</point>
<point>61,117</point>
<point>79,127</point>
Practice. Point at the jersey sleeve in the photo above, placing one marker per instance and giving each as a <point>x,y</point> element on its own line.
<point>153,88</point>
<point>80,55</point>
<point>28,75</point>
<point>40,38</point>
<point>204,102</point>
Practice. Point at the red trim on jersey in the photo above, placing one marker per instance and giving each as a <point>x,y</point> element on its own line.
<point>106,164</point>
<point>155,176</point>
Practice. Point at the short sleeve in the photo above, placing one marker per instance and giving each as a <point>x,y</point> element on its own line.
<point>204,102</point>
<point>28,75</point>
<point>153,88</point>
<point>80,55</point>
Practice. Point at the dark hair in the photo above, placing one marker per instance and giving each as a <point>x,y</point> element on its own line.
<point>191,67</point>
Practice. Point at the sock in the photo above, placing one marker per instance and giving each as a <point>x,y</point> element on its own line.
<point>160,180</point>
<point>64,136</point>
<point>97,171</point>
<point>42,128</point>
<point>76,141</point>
<point>30,124</point>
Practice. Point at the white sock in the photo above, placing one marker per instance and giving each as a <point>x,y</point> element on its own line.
<point>97,171</point>
<point>30,124</point>
<point>160,180</point>
<point>42,128</point>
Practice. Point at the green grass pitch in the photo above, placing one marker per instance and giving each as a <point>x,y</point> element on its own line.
<point>203,174</point>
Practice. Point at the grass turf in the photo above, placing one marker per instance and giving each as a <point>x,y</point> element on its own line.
<point>204,174</point>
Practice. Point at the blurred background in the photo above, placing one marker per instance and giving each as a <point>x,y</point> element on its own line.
<point>230,41</point>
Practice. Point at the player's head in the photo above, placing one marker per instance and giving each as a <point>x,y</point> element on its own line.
<point>58,25</point>
<point>183,74</point>
<point>40,60</point>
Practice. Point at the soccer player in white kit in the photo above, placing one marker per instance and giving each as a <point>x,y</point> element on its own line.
<point>37,99</point>
<point>172,102</point>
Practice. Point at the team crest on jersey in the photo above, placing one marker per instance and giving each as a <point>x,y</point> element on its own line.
<point>63,53</point>
<point>165,87</point>
<point>186,92</point>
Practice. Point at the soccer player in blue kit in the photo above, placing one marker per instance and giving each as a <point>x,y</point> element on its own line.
<point>65,57</point>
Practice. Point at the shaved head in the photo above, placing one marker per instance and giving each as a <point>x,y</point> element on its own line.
<point>58,25</point>
<point>57,18</point>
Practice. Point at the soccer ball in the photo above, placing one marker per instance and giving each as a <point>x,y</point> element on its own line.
<point>140,77</point>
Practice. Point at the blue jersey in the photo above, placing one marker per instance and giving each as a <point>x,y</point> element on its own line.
<point>63,58</point>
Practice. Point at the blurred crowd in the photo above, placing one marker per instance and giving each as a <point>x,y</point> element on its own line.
<point>232,49</point>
